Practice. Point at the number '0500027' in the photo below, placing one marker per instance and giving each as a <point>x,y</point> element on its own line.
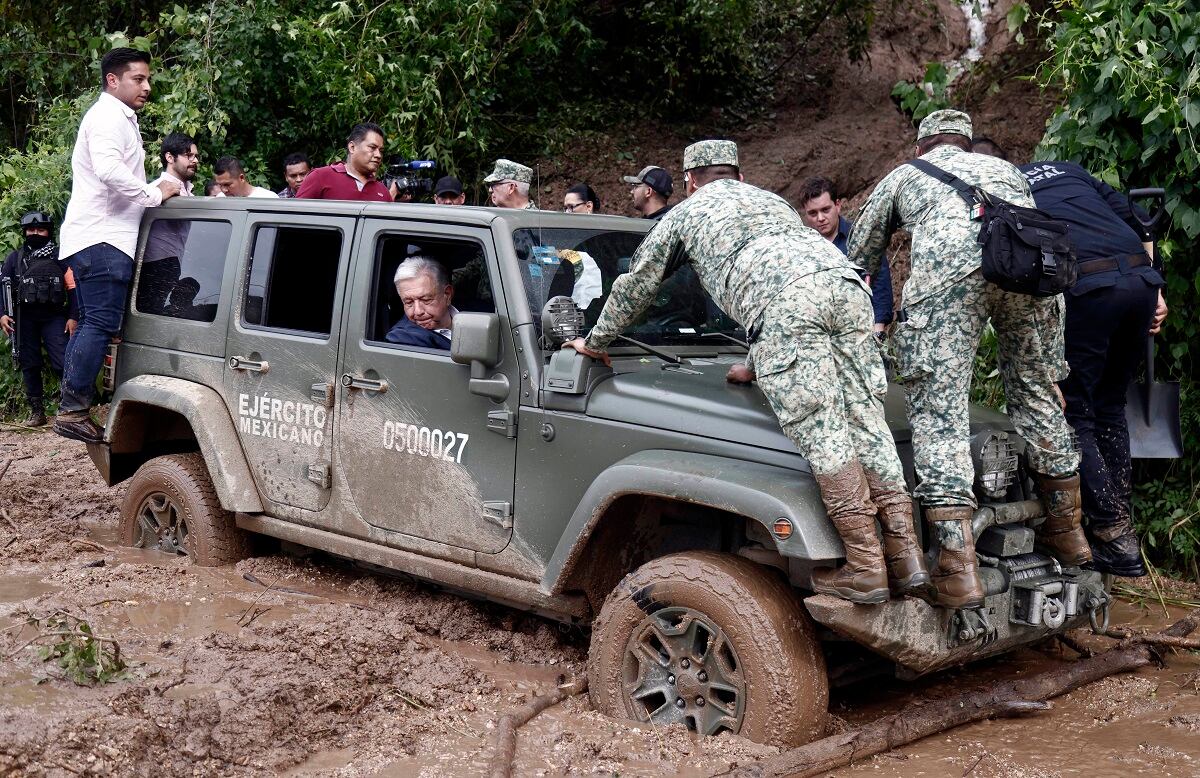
<point>424,442</point>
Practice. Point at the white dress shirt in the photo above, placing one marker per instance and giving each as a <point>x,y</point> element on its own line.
<point>109,189</point>
<point>185,187</point>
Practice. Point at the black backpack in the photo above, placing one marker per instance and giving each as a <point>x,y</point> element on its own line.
<point>1025,250</point>
<point>42,279</point>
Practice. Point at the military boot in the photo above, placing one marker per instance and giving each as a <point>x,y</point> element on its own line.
<point>37,413</point>
<point>905,564</point>
<point>1061,533</point>
<point>1115,549</point>
<point>956,575</point>
<point>847,499</point>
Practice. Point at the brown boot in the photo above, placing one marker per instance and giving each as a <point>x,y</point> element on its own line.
<point>905,564</point>
<point>956,576</point>
<point>847,500</point>
<point>1061,533</point>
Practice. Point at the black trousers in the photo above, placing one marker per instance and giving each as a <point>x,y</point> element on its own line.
<point>36,331</point>
<point>1105,345</point>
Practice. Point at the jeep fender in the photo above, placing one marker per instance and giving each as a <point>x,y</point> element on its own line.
<point>215,433</point>
<point>764,493</point>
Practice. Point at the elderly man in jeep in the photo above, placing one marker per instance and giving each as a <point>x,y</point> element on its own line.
<point>425,290</point>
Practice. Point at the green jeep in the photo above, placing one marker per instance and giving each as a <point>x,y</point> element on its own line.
<point>255,391</point>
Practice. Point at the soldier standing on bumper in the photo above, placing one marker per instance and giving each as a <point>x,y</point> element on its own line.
<point>809,315</point>
<point>44,313</point>
<point>946,303</point>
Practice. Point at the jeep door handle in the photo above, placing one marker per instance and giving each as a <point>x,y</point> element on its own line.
<point>242,363</point>
<point>366,384</point>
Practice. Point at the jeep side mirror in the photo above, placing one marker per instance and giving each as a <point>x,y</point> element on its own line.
<point>476,342</point>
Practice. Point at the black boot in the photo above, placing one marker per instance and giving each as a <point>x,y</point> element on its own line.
<point>1115,549</point>
<point>37,413</point>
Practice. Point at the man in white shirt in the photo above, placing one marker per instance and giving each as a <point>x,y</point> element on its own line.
<point>231,177</point>
<point>179,160</point>
<point>99,232</point>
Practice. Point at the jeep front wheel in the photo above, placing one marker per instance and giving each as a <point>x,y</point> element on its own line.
<point>714,641</point>
<point>172,506</point>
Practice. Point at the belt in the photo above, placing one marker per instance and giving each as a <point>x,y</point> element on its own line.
<point>1104,264</point>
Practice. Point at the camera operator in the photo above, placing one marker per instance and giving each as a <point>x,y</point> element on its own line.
<point>353,179</point>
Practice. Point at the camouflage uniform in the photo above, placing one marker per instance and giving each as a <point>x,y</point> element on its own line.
<point>946,304</point>
<point>816,359</point>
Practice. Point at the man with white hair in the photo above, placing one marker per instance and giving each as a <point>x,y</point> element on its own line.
<point>508,185</point>
<point>425,290</point>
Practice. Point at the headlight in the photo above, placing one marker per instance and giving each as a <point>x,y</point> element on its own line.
<point>995,460</point>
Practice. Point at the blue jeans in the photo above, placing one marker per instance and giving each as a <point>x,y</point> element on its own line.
<point>102,276</point>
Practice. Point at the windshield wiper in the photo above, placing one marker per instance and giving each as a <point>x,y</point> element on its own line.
<point>727,337</point>
<point>663,355</point>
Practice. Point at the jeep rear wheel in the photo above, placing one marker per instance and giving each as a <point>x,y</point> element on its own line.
<point>172,506</point>
<point>714,641</point>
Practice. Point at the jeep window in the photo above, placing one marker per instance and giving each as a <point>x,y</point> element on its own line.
<point>292,279</point>
<point>182,267</point>
<point>465,260</point>
<point>583,263</point>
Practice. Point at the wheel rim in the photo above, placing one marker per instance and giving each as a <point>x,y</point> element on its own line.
<point>161,524</point>
<point>681,667</point>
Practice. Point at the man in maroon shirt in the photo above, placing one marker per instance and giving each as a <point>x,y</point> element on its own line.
<point>353,179</point>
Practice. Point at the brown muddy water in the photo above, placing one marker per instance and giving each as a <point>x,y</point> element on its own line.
<point>311,667</point>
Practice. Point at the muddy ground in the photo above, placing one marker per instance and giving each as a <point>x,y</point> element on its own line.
<point>309,666</point>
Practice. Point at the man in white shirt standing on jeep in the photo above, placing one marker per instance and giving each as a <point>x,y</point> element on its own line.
<point>99,233</point>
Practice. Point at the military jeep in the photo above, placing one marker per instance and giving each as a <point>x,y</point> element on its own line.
<point>255,393</point>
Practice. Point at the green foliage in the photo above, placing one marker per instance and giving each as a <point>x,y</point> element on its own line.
<point>987,388</point>
<point>84,657</point>
<point>1131,76</point>
<point>918,100</point>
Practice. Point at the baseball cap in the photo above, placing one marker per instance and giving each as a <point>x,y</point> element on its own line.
<point>448,185</point>
<point>654,177</point>
<point>945,122</point>
<point>507,170</point>
<point>710,152</point>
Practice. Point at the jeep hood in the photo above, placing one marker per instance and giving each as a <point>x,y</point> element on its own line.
<point>695,399</point>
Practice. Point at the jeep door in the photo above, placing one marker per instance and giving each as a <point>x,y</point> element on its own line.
<point>420,454</point>
<point>281,352</point>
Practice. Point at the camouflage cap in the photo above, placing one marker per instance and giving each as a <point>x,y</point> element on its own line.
<point>710,152</point>
<point>946,121</point>
<point>507,170</point>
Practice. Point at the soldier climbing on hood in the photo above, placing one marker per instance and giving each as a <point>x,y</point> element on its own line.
<point>809,319</point>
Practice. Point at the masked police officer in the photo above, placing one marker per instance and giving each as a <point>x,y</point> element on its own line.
<point>40,292</point>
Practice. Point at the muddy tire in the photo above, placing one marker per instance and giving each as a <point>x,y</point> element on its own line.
<point>172,506</point>
<point>714,641</point>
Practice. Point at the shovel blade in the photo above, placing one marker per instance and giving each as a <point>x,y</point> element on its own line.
<point>1160,437</point>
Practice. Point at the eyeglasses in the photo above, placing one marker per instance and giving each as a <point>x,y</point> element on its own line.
<point>570,207</point>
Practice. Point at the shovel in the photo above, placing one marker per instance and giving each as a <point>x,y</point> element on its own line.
<point>1152,408</point>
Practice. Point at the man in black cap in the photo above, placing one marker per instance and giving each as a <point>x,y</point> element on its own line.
<point>38,307</point>
<point>449,191</point>
<point>650,190</point>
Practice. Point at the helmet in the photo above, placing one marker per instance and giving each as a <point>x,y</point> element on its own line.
<point>37,219</point>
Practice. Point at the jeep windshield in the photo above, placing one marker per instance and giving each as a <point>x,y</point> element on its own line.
<point>583,263</point>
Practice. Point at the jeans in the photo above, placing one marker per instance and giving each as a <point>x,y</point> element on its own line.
<point>1106,337</point>
<point>102,276</point>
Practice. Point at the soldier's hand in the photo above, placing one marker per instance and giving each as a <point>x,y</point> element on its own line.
<point>739,374</point>
<point>169,189</point>
<point>1160,315</point>
<point>580,345</point>
<point>71,325</point>
<point>6,324</point>
<point>1062,401</point>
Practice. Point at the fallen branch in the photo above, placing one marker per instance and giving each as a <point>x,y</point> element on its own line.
<point>1009,698</point>
<point>90,544</point>
<point>505,748</point>
<point>1128,637</point>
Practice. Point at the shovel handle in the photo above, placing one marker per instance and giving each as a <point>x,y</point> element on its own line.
<point>1156,217</point>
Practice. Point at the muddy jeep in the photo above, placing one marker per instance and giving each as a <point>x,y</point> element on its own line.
<point>256,392</point>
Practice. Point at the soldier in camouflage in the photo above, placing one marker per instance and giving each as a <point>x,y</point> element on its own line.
<point>945,305</point>
<point>809,318</point>
<point>508,184</point>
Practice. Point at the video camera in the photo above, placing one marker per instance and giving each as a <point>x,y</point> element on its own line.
<point>410,175</point>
